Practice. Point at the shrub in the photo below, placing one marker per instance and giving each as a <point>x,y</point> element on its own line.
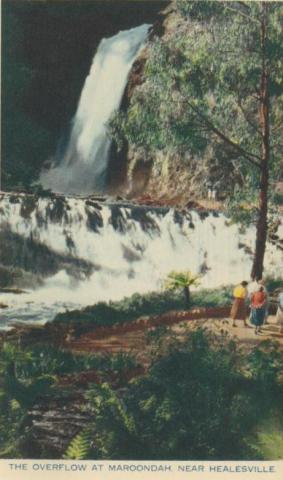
<point>48,360</point>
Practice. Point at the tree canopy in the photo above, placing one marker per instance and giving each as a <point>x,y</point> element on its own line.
<point>202,84</point>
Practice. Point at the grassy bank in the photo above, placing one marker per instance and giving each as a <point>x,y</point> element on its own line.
<point>155,303</point>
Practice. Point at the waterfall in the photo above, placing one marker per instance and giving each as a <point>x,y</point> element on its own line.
<point>83,168</point>
<point>81,251</point>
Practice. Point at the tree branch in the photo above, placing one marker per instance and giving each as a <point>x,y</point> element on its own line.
<point>247,119</point>
<point>239,12</point>
<point>247,155</point>
<point>277,127</point>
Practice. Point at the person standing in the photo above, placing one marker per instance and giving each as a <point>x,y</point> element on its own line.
<point>261,283</point>
<point>258,308</point>
<point>239,309</point>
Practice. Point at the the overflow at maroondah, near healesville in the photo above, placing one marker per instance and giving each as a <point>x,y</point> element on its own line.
<point>141,239</point>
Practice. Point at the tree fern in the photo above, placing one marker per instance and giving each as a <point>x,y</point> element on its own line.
<point>177,280</point>
<point>182,280</point>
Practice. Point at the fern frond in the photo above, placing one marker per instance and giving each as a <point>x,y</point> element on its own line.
<point>79,447</point>
<point>177,280</point>
<point>127,418</point>
<point>14,405</point>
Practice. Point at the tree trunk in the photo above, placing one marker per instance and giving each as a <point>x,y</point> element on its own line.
<point>261,228</point>
<point>187,295</point>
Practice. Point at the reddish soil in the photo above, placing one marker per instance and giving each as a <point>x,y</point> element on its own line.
<point>133,338</point>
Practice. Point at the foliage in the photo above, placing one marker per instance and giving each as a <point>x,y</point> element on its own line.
<point>273,283</point>
<point>24,390</point>
<point>265,364</point>
<point>176,280</point>
<point>242,206</point>
<point>277,198</point>
<point>217,297</point>
<point>12,427</point>
<point>202,12</point>
<point>46,359</point>
<point>203,399</point>
<point>189,74</point>
<point>121,361</point>
<point>126,310</point>
<point>182,280</point>
<point>155,303</point>
<point>17,395</point>
<point>268,441</point>
<point>43,360</point>
<point>118,429</point>
<point>79,447</point>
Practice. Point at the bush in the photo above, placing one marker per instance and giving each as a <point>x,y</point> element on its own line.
<point>48,360</point>
<point>273,283</point>
<point>213,298</point>
<point>268,440</point>
<point>277,198</point>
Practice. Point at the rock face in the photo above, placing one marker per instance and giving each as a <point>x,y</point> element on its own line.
<point>54,421</point>
<point>162,176</point>
<point>178,179</point>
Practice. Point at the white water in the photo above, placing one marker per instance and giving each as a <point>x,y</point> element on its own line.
<point>83,168</point>
<point>135,260</point>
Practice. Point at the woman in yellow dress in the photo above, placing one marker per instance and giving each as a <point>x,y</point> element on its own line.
<point>239,309</point>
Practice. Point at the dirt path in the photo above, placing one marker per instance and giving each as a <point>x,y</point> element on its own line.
<point>135,342</point>
<point>270,330</point>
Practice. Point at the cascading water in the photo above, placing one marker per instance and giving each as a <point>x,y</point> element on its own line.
<point>83,251</point>
<point>83,167</point>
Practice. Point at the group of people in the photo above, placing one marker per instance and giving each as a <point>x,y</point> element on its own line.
<point>256,295</point>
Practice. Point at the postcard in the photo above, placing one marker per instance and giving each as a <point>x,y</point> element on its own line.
<point>141,240</point>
